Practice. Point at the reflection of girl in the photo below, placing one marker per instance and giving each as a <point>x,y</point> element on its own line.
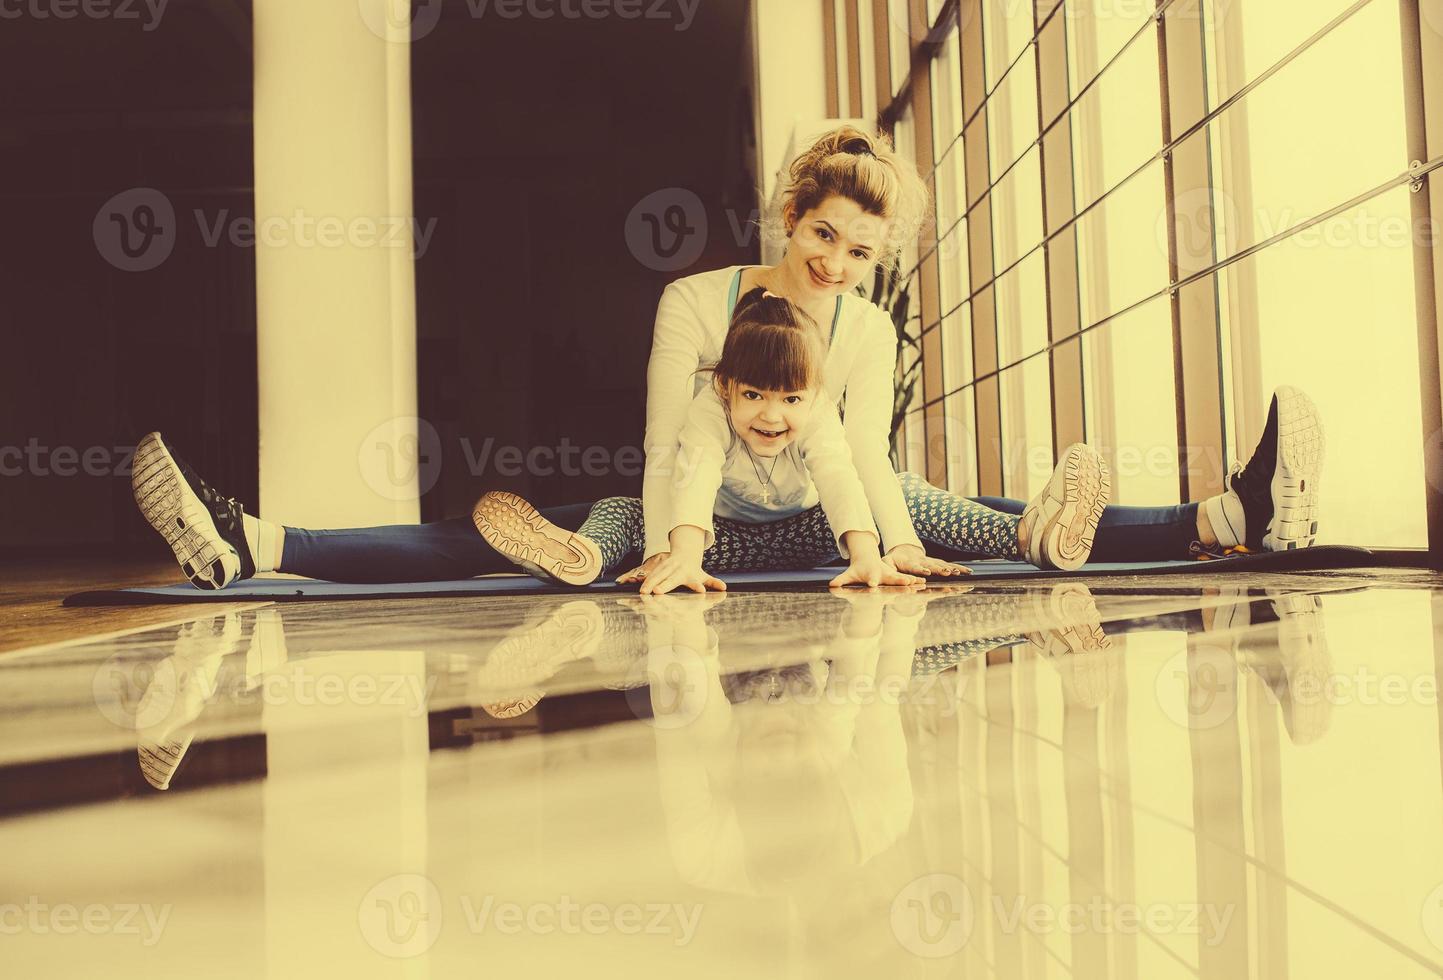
<point>809,741</point>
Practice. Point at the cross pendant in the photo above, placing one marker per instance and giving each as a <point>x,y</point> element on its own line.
<point>766,495</point>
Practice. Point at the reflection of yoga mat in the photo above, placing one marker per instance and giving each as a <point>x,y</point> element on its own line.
<point>298,590</point>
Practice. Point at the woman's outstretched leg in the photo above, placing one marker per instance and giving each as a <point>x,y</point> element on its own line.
<point>218,544</point>
<point>1271,504</point>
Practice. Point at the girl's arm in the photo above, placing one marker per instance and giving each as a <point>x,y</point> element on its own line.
<point>700,457</point>
<point>676,351</point>
<point>868,426</point>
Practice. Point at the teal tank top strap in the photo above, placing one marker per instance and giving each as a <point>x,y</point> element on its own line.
<point>732,296</point>
<point>835,317</point>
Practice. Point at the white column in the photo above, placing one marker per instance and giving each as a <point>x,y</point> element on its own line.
<point>335,285</point>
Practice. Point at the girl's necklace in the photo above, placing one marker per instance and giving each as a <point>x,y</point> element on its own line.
<point>765,481</point>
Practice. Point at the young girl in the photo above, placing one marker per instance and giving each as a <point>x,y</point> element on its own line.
<point>764,480</point>
<point>760,445</point>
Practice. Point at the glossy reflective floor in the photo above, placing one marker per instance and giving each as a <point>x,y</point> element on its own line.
<point>1170,777</point>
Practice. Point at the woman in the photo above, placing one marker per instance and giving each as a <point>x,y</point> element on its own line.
<point>849,204</point>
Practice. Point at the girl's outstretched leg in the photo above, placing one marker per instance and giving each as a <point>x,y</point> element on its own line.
<point>957,523</point>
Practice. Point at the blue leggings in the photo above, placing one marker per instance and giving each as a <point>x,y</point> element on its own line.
<point>453,549</point>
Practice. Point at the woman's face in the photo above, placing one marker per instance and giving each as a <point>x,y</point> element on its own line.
<point>833,247</point>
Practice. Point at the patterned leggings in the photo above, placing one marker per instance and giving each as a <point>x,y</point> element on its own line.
<point>805,540</point>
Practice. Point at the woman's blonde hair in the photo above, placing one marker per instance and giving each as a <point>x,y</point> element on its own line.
<point>863,167</point>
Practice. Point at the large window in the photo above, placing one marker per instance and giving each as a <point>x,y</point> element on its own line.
<point>1146,224</point>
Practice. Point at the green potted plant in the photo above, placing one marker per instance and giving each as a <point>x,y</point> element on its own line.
<point>892,293</point>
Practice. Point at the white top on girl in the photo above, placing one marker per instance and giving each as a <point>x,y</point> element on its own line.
<point>715,473</point>
<point>692,320</point>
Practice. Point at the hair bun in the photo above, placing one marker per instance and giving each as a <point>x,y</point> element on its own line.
<point>857,146</point>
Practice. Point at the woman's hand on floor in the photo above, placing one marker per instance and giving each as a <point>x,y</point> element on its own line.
<point>913,560</point>
<point>640,572</point>
<point>679,572</point>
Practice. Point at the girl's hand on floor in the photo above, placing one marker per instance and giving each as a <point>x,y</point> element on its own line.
<point>912,559</point>
<point>640,572</point>
<point>679,572</point>
<point>873,570</point>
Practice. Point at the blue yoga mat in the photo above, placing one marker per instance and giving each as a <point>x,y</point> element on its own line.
<point>300,590</point>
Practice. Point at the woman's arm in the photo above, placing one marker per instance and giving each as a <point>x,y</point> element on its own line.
<point>676,352</point>
<point>829,464</point>
<point>868,424</point>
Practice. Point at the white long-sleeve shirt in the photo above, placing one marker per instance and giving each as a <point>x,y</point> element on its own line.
<point>715,473</point>
<point>691,324</point>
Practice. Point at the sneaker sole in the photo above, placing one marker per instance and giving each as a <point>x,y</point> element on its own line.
<point>1301,447</point>
<point>517,530</point>
<point>177,514</point>
<point>1070,509</point>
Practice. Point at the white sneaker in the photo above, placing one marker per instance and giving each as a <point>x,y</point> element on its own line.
<point>1061,521</point>
<point>517,530</point>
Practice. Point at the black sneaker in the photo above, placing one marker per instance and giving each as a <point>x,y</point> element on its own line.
<point>1275,497</point>
<point>203,528</point>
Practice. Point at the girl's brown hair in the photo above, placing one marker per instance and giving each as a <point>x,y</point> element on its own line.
<point>863,167</point>
<point>772,345</point>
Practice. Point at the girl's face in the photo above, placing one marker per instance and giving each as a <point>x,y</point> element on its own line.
<point>768,421</point>
<point>834,247</point>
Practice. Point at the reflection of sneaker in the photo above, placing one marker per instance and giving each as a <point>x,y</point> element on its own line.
<point>1062,520</point>
<point>1295,663</point>
<point>517,530</point>
<point>180,688</point>
<point>514,707</point>
<point>1071,621</point>
<point>203,528</point>
<point>535,651</point>
<point>1272,503</point>
<point>1073,640</point>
